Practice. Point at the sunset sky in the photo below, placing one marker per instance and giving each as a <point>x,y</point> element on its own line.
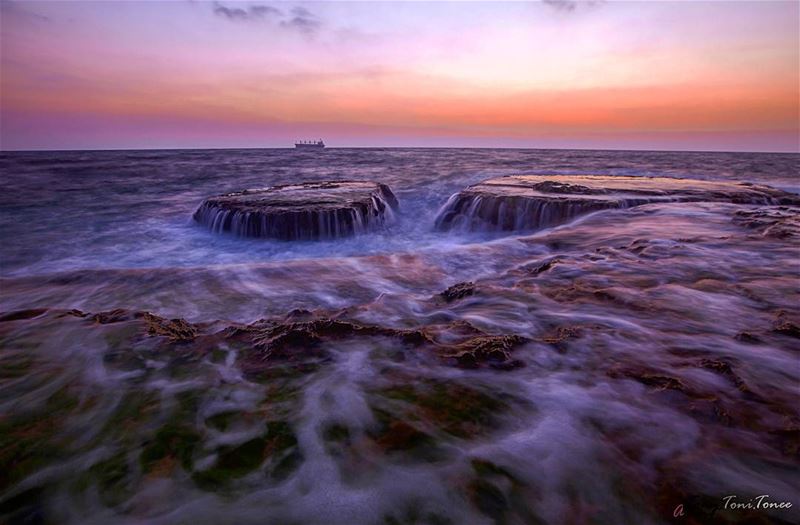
<point>624,75</point>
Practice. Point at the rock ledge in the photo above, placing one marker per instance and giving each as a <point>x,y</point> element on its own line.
<point>525,202</point>
<point>306,211</point>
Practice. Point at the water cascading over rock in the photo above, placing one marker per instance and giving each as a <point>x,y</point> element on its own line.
<point>529,202</point>
<point>306,211</point>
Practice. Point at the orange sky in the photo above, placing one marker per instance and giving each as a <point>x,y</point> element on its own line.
<point>652,75</point>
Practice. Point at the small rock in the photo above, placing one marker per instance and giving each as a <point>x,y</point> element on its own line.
<point>458,291</point>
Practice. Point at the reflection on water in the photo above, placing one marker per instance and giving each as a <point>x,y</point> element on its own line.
<point>603,371</point>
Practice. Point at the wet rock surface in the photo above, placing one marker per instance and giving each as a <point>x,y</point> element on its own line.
<point>306,211</point>
<point>161,437</point>
<point>526,202</point>
<point>413,417</point>
<point>780,222</point>
<point>458,291</point>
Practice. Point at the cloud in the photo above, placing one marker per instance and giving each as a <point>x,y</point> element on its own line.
<point>253,12</point>
<point>302,20</point>
<point>14,8</point>
<point>298,19</point>
<point>263,10</point>
<point>570,5</point>
<point>561,5</point>
<point>302,11</point>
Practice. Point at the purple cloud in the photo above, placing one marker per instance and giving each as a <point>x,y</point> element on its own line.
<point>254,12</point>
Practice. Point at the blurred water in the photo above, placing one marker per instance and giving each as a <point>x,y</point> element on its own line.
<point>132,209</point>
<point>659,366</point>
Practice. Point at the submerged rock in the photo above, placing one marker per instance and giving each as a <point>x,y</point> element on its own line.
<point>784,325</point>
<point>524,202</point>
<point>458,291</point>
<point>306,211</point>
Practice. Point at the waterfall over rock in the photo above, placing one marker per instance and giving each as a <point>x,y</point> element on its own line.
<point>306,211</point>
<point>529,202</point>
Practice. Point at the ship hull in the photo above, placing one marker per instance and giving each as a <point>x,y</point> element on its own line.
<point>309,146</point>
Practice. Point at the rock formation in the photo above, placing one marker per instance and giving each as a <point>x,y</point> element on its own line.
<point>307,211</point>
<point>526,202</point>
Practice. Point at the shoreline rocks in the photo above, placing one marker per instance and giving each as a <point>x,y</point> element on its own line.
<point>526,202</point>
<point>305,211</point>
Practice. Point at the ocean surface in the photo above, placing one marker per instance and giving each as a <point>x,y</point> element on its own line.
<point>150,371</point>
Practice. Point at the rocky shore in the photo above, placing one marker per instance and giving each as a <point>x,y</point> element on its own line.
<point>639,357</point>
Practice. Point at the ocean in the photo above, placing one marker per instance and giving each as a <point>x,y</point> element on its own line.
<point>152,371</point>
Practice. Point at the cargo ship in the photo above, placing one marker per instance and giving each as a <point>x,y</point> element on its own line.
<point>309,144</point>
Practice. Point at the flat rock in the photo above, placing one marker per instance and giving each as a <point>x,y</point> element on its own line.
<point>306,211</point>
<point>524,202</point>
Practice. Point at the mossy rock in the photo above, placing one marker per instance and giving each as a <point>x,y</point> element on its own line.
<point>283,390</point>
<point>27,507</point>
<point>24,449</point>
<point>487,468</point>
<point>336,432</point>
<point>114,478</point>
<point>277,447</point>
<point>218,355</point>
<point>489,499</point>
<point>337,440</point>
<point>32,440</point>
<point>188,403</point>
<point>173,441</point>
<point>461,411</point>
<point>232,463</point>
<point>271,372</point>
<point>500,495</point>
<point>222,421</point>
<point>286,465</point>
<point>120,353</point>
<point>133,409</point>
<point>184,366</point>
<point>414,516</point>
<point>399,437</point>
<point>16,366</point>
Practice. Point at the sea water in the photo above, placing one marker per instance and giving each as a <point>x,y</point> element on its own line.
<point>659,370</point>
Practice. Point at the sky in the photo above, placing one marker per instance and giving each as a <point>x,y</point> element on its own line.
<point>680,75</point>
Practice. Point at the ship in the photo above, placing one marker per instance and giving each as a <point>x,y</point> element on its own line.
<point>309,144</point>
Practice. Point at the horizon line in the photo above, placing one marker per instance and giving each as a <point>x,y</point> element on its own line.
<point>195,148</point>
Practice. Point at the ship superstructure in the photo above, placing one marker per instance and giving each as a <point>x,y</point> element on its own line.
<point>309,144</point>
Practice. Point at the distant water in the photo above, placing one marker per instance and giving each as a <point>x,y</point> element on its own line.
<point>658,368</point>
<point>132,209</point>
